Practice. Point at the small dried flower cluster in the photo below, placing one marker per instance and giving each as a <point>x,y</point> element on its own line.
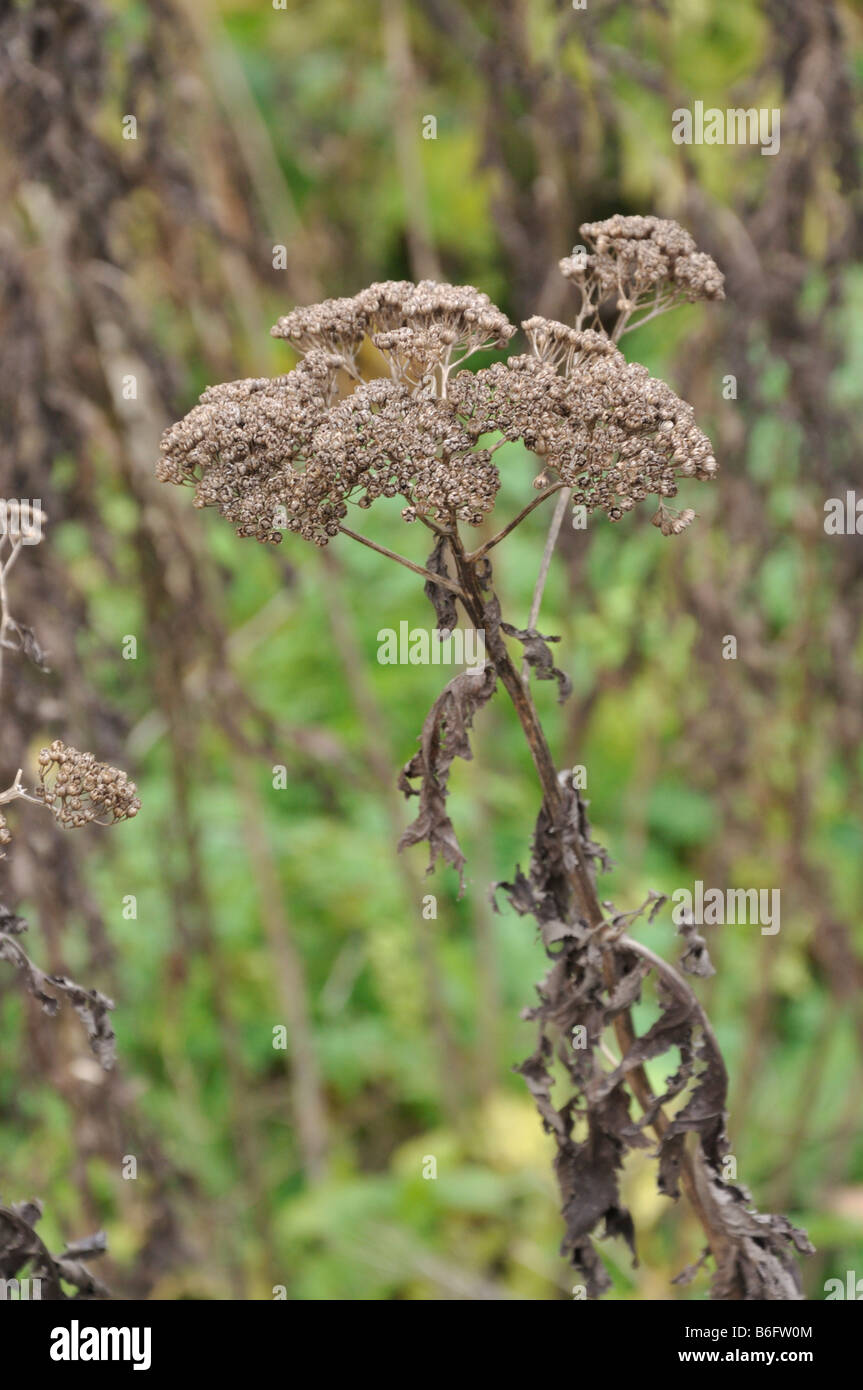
<point>77,789</point>
<point>5,835</point>
<point>243,447</point>
<point>671,523</point>
<point>561,346</point>
<point>419,327</point>
<point>337,325</point>
<point>290,454</point>
<point>390,443</point>
<point>642,263</point>
<point>609,430</point>
<point>446,317</point>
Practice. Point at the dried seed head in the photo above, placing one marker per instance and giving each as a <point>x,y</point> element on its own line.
<point>561,345</point>
<point>384,441</point>
<point>646,262</point>
<point>291,453</point>
<point>244,447</point>
<point>611,432</point>
<point>462,310</point>
<point>77,789</point>
<point>337,325</point>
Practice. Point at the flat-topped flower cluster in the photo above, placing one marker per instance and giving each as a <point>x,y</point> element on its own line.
<point>292,452</point>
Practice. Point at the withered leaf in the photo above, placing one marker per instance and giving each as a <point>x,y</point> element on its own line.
<point>444,737</point>
<point>538,656</point>
<point>595,977</point>
<point>23,1253</point>
<point>442,599</point>
<point>695,959</point>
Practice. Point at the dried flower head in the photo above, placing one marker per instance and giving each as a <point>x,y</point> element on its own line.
<point>382,441</point>
<point>562,346</point>
<point>609,430</point>
<point>337,325</point>
<point>5,835</point>
<point>245,445</point>
<point>465,312</point>
<point>292,453</point>
<point>77,789</point>
<point>647,264</point>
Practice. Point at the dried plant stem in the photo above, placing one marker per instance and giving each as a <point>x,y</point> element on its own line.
<point>516,521</point>
<point>545,564</point>
<point>586,902</point>
<point>439,579</point>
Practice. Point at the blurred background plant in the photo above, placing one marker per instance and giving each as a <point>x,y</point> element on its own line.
<point>146,265</point>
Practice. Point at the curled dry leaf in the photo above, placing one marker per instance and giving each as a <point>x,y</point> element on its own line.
<point>23,1250</point>
<point>537,654</point>
<point>444,737</point>
<point>579,999</point>
<point>442,599</point>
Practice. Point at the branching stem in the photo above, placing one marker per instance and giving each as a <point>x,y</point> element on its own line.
<point>440,579</point>
<point>516,521</point>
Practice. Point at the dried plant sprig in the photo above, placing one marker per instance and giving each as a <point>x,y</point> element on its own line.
<point>77,789</point>
<point>608,435</point>
<point>639,266</point>
<point>92,1007</point>
<point>21,1248</point>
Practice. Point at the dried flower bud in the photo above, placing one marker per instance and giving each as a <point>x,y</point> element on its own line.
<point>672,523</point>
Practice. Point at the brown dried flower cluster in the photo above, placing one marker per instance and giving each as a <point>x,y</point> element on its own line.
<point>246,444</point>
<point>77,789</point>
<point>290,454</point>
<point>5,834</point>
<point>423,326</point>
<point>389,443</point>
<point>648,264</point>
<point>609,430</point>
